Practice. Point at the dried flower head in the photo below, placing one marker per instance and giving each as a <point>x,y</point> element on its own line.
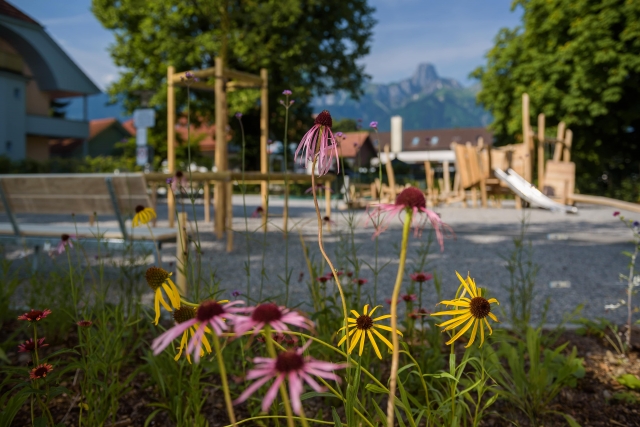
<point>319,141</point>
<point>34,315</point>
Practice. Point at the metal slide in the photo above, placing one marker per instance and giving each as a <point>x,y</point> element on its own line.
<point>530,193</point>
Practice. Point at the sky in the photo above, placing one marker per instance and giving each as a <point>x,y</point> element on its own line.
<point>452,35</point>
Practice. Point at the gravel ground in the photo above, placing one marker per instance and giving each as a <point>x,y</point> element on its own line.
<point>579,255</point>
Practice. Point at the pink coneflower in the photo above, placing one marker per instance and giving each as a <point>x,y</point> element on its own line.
<point>258,212</point>
<point>410,199</point>
<point>40,371</point>
<point>84,323</point>
<point>280,338</point>
<point>616,213</point>
<point>416,314</point>
<point>326,220</point>
<point>179,182</point>
<point>421,277</point>
<point>409,297</point>
<point>323,279</point>
<point>319,140</point>
<point>349,274</point>
<point>290,365</point>
<point>34,315</point>
<point>209,314</point>
<point>65,240</point>
<point>361,282</point>
<point>272,315</point>
<point>30,345</point>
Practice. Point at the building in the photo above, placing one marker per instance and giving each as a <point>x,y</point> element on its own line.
<point>103,136</point>
<point>34,72</point>
<point>356,148</point>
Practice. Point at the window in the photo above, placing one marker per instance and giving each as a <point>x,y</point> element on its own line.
<point>434,140</point>
<point>415,141</point>
<point>16,92</point>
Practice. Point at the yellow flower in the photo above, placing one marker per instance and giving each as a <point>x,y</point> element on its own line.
<point>473,311</point>
<point>143,215</point>
<point>363,326</point>
<point>181,315</point>
<point>158,279</point>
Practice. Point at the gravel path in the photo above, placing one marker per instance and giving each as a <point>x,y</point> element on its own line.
<point>579,255</point>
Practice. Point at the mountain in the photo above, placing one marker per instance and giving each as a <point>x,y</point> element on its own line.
<point>424,100</point>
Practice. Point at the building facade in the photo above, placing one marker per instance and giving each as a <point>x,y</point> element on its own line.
<point>34,72</point>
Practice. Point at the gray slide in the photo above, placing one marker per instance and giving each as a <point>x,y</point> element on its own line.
<point>530,193</point>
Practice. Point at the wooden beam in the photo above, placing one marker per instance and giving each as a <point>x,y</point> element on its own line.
<point>541,151</point>
<point>527,135</point>
<point>597,200</point>
<point>207,87</point>
<point>171,139</point>
<point>557,152</point>
<point>201,74</point>
<point>264,135</point>
<point>242,76</point>
<point>220,151</point>
<point>568,140</point>
<point>236,84</point>
<point>181,253</point>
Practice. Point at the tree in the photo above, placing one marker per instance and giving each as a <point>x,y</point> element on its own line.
<point>309,46</point>
<point>579,61</point>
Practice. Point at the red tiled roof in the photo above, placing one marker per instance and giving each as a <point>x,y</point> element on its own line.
<point>204,132</point>
<point>8,9</point>
<point>128,125</point>
<point>351,142</point>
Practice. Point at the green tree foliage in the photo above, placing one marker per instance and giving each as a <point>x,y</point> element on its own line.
<point>579,60</point>
<point>308,46</point>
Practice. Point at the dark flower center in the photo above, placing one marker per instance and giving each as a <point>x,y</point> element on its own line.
<point>289,361</point>
<point>323,279</point>
<point>179,174</point>
<point>34,314</point>
<point>479,307</point>
<point>29,345</point>
<point>139,208</point>
<point>364,322</point>
<point>41,372</point>
<point>266,313</point>
<point>208,310</point>
<point>326,219</point>
<point>156,276</point>
<point>411,197</point>
<point>64,237</point>
<point>421,277</point>
<point>324,119</point>
<point>184,313</point>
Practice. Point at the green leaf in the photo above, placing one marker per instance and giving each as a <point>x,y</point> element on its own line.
<point>629,381</point>
<point>336,418</point>
<point>571,421</point>
<point>311,394</point>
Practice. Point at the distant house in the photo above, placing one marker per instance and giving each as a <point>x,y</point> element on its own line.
<point>203,133</point>
<point>104,134</point>
<point>356,148</point>
<point>34,72</point>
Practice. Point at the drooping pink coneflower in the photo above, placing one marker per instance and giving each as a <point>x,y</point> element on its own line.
<point>179,182</point>
<point>270,314</point>
<point>409,297</point>
<point>323,279</point>
<point>361,281</point>
<point>412,199</point>
<point>326,220</point>
<point>319,140</point>
<point>295,368</point>
<point>209,314</point>
<point>34,315</point>
<point>30,345</point>
<point>65,240</point>
<point>421,277</point>
<point>40,371</point>
<point>258,212</point>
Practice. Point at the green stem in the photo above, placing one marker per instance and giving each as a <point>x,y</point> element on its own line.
<point>267,417</point>
<point>394,318</point>
<point>286,204</point>
<point>155,245</point>
<point>223,376</point>
<point>283,391</point>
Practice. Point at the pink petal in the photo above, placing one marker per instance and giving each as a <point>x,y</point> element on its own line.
<point>195,342</point>
<point>272,393</point>
<point>295,390</point>
<point>165,339</point>
<point>314,385</point>
<point>251,389</point>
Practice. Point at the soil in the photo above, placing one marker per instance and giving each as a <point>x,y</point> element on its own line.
<point>597,400</point>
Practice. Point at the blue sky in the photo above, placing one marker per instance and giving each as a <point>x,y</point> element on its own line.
<point>453,35</point>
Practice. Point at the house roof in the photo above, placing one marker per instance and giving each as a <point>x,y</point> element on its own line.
<point>8,9</point>
<point>52,68</point>
<point>204,131</point>
<point>96,127</point>
<point>351,143</point>
<point>437,139</point>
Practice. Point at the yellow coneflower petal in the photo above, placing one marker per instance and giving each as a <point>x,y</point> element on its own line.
<point>455,319</point>
<point>493,317</point>
<point>481,334</point>
<point>375,346</point>
<point>456,303</point>
<point>362,340</point>
<point>351,320</point>
<point>344,338</point>
<point>156,304</point>
<point>162,301</point>
<point>176,292</point>
<point>492,300</point>
<point>473,286</point>
<point>461,331</point>
<point>473,334</point>
<point>460,321</point>
<point>383,339</point>
<point>386,316</point>
<point>466,286</point>
<point>374,309</point>
<point>183,343</point>
<point>450,312</point>
<point>355,313</point>
<point>355,340</point>
<point>172,298</point>
<point>387,328</point>
<point>488,326</point>
<point>206,344</point>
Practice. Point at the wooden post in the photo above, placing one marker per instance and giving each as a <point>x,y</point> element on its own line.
<point>181,253</point>
<point>264,135</point>
<point>171,140</point>
<point>327,199</point>
<point>229,216</point>
<point>527,139</point>
<point>390,176</point>
<point>154,200</point>
<point>207,201</point>
<point>560,136</point>
<point>446,176</point>
<point>566,156</point>
<point>540,151</point>
<point>221,148</point>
